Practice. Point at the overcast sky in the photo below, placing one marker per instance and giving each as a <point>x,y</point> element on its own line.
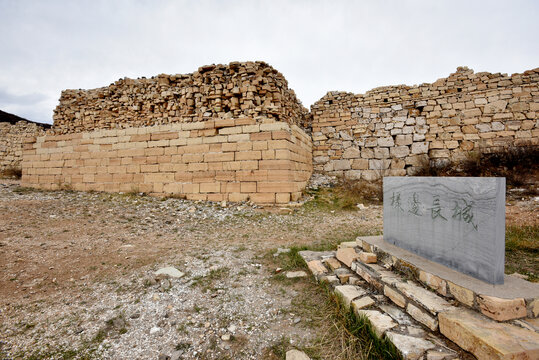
<point>319,46</point>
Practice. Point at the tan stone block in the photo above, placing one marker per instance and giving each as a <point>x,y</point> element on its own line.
<point>213,157</point>
<point>278,144</point>
<point>276,187</point>
<point>282,198</point>
<point>158,177</point>
<point>204,176</point>
<point>214,187</point>
<point>237,197</point>
<point>281,135</point>
<point>215,166</point>
<point>248,155</point>
<point>152,168</point>
<point>316,267</point>
<point>248,187</point>
<point>244,121</point>
<point>221,123</point>
<point>502,309</point>
<point>261,136</point>
<point>122,178</point>
<point>268,154</point>
<point>487,339</point>
<point>274,165</point>
<point>347,256</point>
<point>367,257</point>
<point>433,282</point>
<point>395,296</point>
<point>230,130</point>
<point>197,167</point>
<point>423,317</point>
<point>260,145</point>
<point>248,165</point>
<point>463,295</point>
<point>262,198</point>
<point>190,188</point>
<point>238,138</point>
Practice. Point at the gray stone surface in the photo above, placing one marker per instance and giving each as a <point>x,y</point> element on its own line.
<point>457,222</point>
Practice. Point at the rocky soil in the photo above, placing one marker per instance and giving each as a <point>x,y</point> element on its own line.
<point>77,275</point>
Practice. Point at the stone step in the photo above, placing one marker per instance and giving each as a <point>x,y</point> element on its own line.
<point>412,323</point>
<point>488,339</point>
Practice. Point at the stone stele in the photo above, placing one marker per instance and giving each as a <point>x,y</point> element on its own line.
<point>457,222</point>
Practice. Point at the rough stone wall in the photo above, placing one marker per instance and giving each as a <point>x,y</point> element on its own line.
<point>11,141</point>
<point>394,130</point>
<point>223,159</point>
<point>251,89</point>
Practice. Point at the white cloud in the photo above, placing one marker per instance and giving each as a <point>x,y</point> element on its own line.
<point>319,46</point>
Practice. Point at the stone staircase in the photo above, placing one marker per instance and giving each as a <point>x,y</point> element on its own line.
<point>420,321</point>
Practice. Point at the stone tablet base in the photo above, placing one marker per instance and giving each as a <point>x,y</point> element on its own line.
<point>515,299</point>
<point>413,317</point>
<point>266,162</point>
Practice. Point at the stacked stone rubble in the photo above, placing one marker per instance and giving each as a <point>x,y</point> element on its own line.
<point>395,130</point>
<point>250,89</point>
<point>11,141</point>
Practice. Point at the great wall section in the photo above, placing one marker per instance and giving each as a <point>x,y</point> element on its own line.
<point>236,132</point>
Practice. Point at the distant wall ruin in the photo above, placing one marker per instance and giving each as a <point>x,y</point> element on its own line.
<point>394,130</point>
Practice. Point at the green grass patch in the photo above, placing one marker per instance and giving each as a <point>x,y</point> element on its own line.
<point>522,251</point>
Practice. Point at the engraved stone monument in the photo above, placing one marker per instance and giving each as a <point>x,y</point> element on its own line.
<point>456,221</point>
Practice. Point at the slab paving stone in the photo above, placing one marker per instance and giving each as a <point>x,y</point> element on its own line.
<point>333,263</point>
<point>347,255</point>
<point>380,322</point>
<point>424,297</point>
<point>394,296</point>
<point>316,267</point>
<point>421,316</point>
<point>410,347</point>
<point>349,293</point>
<point>502,309</point>
<point>434,282</point>
<point>440,355</point>
<point>368,258</point>
<point>362,303</point>
<point>170,271</point>
<point>486,338</point>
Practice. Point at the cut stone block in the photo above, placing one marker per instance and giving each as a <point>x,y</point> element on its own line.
<point>380,322</point>
<point>361,303</point>
<point>331,279</point>
<point>349,293</point>
<point>502,309</point>
<point>343,278</point>
<point>410,347</point>
<point>316,267</point>
<point>422,317</point>
<point>433,282</point>
<point>347,256</point>
<point>463,295</point>
<point>394,296</point>
<point>333,263</point>
<point>368,258</point>
<point>534,308</point>
<point>424,297</point>
<point>441,355</point>
<point>488,339</point>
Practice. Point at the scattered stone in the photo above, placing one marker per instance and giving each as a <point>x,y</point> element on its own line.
<point>295,274</point>
<point>347,244</point>
<point>170,271</point>
<point>296,355</point>
<point>281,251</point>
<point>155,330</point>
<point>225,337</point>
<point>361,207</point>
<point>164,357</point>
<point>297,320</point>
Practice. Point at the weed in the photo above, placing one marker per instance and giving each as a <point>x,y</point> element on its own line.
<point>522,251</point>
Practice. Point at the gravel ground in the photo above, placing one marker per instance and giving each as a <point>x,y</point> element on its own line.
<point>77,275</point>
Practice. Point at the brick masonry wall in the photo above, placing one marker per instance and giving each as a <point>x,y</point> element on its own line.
<point>11,141</point>
<point>394,130</point>
<point>249,89</point>
<point>224,159</point>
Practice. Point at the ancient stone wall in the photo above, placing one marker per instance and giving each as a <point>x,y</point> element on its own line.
<point>250,89</point>
<point>11,141</point>
<point>224,159</point>
<point>394,130</point>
